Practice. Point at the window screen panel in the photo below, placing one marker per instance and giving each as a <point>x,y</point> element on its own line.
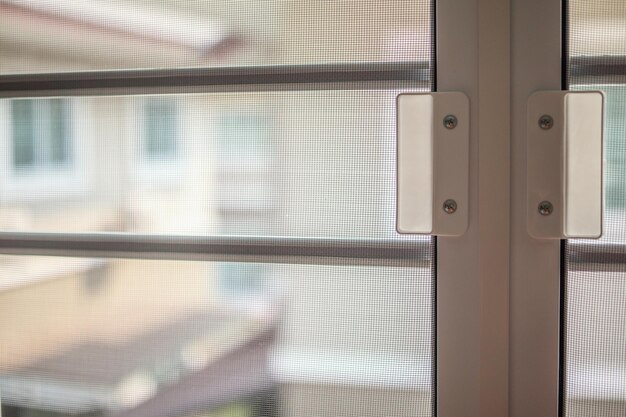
<point>282,132</point>
<point>41,36</point>
<point>309,164</point>
<point>92,337</point>
<point>300,164</point>
<point>594,337</point>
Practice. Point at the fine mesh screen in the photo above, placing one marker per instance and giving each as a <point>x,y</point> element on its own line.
<point>67,35</point>
<point>93,337</point>
<point>298,164</point>
<point>595,274</point>
<point>107,337</point>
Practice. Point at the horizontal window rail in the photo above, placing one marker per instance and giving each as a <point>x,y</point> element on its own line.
<point>228,79</point>
<point>314,251</point>
<point>596,256</point>
<point>609,69</point>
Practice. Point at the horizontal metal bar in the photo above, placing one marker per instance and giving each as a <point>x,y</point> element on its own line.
<point>594,255</point>
<point>609,69</point>
<point>331,76</point>
<point>403,86</point>
<point>317,251</point>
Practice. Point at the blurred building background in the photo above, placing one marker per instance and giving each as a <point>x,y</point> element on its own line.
<point>107,337</point>
<point>135,338</point>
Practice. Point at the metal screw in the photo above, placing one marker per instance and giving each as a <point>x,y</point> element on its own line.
<point>450,121</point>
<point>449,206</point>
<point>545,208</point>
<point>546,122</point>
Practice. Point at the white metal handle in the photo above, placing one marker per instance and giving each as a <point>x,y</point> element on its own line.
<point>564,164</point>
<point>432,163</point>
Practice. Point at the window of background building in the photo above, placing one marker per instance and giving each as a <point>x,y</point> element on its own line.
<point>243,280</point>
<point>160,129</point>
<point>41,134</point>
<point>245,135</point>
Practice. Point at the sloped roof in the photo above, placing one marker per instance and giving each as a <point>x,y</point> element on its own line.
<point>90,34</point>
<point>242,373</point>
<point>127,18</point>
<point>200,360</point>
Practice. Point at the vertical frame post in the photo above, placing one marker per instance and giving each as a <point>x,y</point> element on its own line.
<point>535,264</point>
<point>473,56</point>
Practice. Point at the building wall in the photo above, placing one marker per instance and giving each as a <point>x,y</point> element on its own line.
<point>332,400</point>
<point>84,301</point>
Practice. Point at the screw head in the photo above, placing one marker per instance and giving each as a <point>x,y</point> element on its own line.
<point>449,206</point>
<point>450,121</point>
<point>546,122</point>
<point>545,208</point>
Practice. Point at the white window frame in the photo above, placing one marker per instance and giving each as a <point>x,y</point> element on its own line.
<point>472,286</point>
<point>498,289</point>
<point>535,264</point>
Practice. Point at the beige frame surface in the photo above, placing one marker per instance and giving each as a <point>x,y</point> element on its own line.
<point>498,289</point>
